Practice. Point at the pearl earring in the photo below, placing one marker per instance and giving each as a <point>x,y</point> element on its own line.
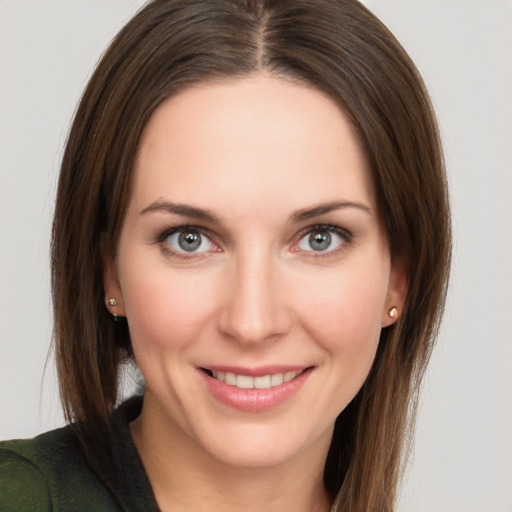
<point>393,312</point>
<point>112,303</point>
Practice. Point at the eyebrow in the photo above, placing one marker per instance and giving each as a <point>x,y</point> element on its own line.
<point>308,213</point>
<point>207,215</point>
<point>181,209</point>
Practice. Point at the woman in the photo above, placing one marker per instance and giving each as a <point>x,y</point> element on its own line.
<point>252,206</point>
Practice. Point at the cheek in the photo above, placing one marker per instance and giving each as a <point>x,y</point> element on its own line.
<point>344,313</point>
<point>162,306</point>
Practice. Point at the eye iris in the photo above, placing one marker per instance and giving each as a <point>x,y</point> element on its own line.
<point>320,240</point>
<point>189,241</point>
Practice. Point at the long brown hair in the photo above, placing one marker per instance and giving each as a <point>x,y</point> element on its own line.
<point>340,48</point>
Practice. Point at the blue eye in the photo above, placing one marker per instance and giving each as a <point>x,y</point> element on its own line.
<point>323,239</point>
<point>189,241</point>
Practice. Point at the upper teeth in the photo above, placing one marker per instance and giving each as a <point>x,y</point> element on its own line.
<point>248,382</point>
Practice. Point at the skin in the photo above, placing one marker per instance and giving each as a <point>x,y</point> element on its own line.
<point>253,152</point>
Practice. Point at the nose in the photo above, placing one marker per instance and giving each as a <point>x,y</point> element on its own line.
<point>254,309</point>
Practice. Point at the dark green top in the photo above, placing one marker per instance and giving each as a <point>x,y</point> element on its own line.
<point>51,473</point>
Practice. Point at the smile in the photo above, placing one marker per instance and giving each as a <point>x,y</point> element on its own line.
<point>255,390</point>
<point>249,382</point>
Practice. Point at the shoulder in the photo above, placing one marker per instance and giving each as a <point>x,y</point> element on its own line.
<point>49,473</point>
<point>23,485</point>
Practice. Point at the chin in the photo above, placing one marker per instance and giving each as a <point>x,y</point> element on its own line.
<point>264,445</point>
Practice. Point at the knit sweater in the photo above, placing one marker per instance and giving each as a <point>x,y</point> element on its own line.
<point>51,472</point>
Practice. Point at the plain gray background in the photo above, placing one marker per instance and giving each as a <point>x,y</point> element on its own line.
<point>462,460</point>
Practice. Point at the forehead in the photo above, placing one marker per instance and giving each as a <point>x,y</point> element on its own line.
<point>256,136</point>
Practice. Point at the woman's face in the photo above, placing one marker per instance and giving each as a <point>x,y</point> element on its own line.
<point>252,269</point>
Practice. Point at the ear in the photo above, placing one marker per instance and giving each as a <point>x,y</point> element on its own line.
<point>111,283</point>
<point>396,294</point>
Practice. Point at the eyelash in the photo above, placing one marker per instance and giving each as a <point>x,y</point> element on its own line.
<point>171,230</point>
<point>346,236</point>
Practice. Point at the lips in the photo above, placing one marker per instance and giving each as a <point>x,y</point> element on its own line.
<point>249,382</point>
<point>255,390</point>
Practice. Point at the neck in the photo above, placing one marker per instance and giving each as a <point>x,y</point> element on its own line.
<point>184,477</point>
